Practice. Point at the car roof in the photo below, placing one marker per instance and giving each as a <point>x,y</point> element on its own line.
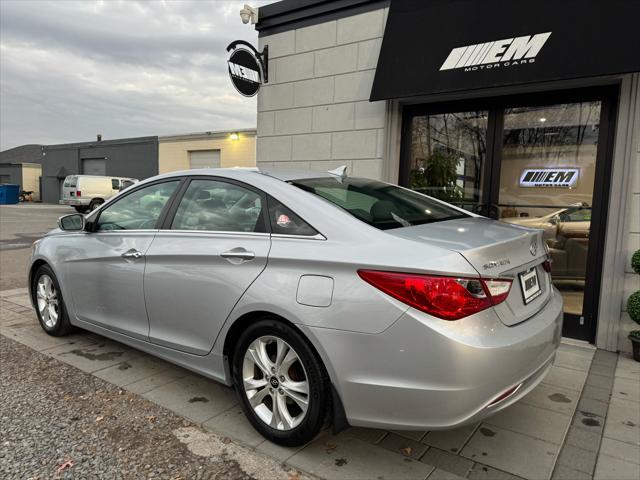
<point>279,173</point>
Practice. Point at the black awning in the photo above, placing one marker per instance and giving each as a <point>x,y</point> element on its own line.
<point>443,46</point>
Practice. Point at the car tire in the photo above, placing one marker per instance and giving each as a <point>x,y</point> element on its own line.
<point>95,203</point>
<point>81,209</point>
<point>296,370</point>
<point>50,308</point>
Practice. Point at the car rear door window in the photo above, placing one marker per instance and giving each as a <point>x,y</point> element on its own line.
<point>138,210</point>
<point>214,205</point>
<point>379,204</point>
<point>285,222</point>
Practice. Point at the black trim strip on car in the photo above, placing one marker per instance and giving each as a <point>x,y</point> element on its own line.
<point>171,206</point>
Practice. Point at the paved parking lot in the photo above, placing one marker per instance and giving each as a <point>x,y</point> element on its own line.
<point>583,421</point>
<point>20,225</point>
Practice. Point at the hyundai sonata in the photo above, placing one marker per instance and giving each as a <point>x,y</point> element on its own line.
<point>315,295</point>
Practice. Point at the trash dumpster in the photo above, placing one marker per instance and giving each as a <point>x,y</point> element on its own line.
<point>9,194</point>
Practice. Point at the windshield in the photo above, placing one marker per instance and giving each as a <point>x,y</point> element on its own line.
<point>379,204</point>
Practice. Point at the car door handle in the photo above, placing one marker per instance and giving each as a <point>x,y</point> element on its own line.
<point>239,253</point>
<point>132,254</point>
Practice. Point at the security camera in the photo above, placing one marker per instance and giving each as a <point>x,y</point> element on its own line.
<point>249,13</point>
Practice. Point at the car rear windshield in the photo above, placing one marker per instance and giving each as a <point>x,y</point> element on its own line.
<point>70,182</point>
<point>379,204</point>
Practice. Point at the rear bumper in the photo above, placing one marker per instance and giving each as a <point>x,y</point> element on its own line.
<point>425,373</point>
<point>73,202</point>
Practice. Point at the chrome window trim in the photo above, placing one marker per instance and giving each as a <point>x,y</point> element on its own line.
<point>214,232</point>
<point>317,236</point>
<point>120,232</point>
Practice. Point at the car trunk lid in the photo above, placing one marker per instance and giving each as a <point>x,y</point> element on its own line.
<point>495,250</point>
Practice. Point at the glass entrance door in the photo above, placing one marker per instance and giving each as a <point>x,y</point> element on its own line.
<point>547,171</point>
<point>537,161</point>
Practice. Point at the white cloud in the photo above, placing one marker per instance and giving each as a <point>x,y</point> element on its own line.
<point>69,70</point>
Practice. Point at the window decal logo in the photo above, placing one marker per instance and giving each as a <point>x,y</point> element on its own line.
<point>499,53</point>
<point>549,177</point>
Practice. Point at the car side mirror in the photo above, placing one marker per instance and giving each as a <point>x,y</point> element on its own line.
<point>554,220</point>
<point>74,222</point>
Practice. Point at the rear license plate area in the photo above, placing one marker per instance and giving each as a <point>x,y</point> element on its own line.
<point>530,285</point>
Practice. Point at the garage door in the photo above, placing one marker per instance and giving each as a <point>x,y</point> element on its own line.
<point>94,166</point>
<point>204,159</point>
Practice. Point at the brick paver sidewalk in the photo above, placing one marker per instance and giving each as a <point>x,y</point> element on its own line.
<point>583,421</point>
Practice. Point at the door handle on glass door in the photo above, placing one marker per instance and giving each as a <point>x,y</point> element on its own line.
<point>239,253</point>
<point>132,254</point>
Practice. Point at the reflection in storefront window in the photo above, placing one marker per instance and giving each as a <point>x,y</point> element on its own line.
<point>546,181</point>
<point>447,156</point>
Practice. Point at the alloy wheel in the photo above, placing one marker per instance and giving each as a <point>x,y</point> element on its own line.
<point>48,301</point>
<point>275,383</point>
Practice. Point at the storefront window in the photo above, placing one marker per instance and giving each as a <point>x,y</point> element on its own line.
<point>546,181</point>
<point>447,156</point>
<point>530,165</point>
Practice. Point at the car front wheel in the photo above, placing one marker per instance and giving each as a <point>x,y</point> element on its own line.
<point>49,303</point>
<point>283,387</point>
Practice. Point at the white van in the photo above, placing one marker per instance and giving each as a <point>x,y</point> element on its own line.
<point>88,192</point>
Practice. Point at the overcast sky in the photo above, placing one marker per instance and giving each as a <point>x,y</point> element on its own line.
<point>70,70</point>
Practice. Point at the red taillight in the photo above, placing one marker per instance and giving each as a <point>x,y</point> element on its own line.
<point>78,193</point>
<point>547,266</point>
<point>498,289</point>
<point>449,298</point>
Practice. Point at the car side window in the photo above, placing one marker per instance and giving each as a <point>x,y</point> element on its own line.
<point>578,215</point>
<point>286,222</point>
<point>213,205</point>
<point>138,210</point>
<point>115,184</point>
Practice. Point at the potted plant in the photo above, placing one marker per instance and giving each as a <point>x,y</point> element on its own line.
<point>633,309</point>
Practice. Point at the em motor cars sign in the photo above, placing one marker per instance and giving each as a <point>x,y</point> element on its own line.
<point>247,67</point>
<point>549,177</point>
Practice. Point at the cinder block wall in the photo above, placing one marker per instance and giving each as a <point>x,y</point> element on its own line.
<point>315,110</point>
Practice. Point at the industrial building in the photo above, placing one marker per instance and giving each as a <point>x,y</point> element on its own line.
<point>144,157</point>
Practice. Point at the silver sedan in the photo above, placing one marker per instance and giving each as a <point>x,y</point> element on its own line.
<point>315,295</point>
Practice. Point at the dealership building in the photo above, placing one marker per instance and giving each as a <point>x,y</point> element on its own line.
<point>529,114</point>
<point>144,157</point>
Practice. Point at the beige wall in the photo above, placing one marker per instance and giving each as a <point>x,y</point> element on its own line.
<point>31,179</point>
<point>173,154</point>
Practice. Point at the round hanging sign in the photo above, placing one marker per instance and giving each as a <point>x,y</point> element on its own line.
<point>245,72</point>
